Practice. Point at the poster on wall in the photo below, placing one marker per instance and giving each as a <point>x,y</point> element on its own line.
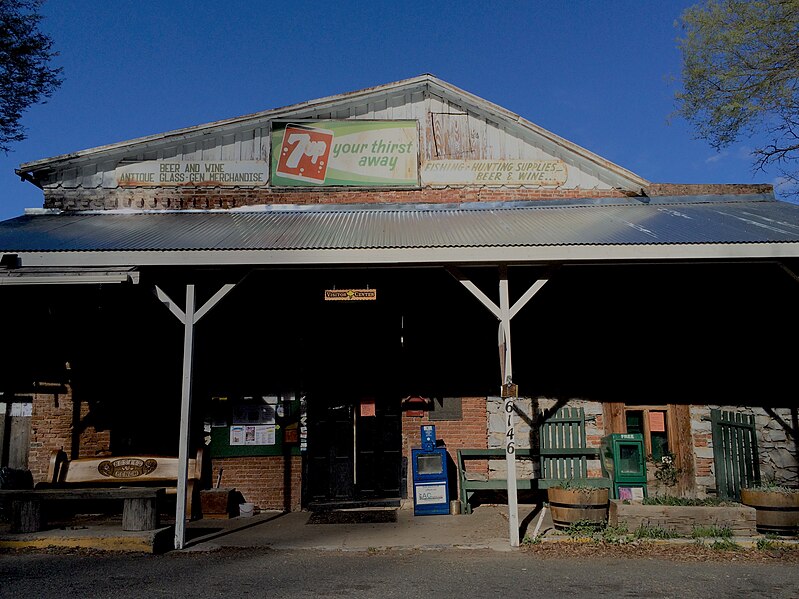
<point>237,435</point>
<point>657,422</point>
<point>355,153</point>
<point>252,435</point>
<point>303,423</point>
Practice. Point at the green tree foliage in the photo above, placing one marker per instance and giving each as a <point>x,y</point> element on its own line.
<point>26,76</point>
<point>741,77</point>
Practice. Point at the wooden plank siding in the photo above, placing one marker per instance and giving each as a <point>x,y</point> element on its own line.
<point>446,130</point>
<point>684,447</point>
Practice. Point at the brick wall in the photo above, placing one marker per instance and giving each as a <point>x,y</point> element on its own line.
<point>225,198</point>
<point>204,199</point>
<point>469,432</point>
<point>698,189</point>
<point>52,427</point>
<point>269,482</point>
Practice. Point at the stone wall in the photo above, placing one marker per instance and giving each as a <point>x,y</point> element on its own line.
<point>528,413</point>
<point>777,447</point>
<point>683,519</point>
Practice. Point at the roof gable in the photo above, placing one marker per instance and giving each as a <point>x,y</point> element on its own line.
<point>492,132</point>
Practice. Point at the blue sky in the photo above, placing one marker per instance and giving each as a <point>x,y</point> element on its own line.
<point>601,74</point>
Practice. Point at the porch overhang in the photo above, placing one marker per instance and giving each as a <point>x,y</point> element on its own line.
<point>68,275</point>
<point>88,261</point>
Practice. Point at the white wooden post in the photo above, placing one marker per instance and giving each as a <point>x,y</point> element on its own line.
<point>185,418</point>
<point>504,313</point>
<point>508,409</point>
<point>189,318</point>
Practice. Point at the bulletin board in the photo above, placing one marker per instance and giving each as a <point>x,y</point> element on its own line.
<point>253,425</point>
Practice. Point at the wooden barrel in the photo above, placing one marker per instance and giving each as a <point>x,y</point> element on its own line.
<point>569,506</point>
<point>776,512</point>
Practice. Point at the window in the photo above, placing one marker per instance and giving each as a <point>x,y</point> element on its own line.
<point>653,424</point>
<point>665,428</point>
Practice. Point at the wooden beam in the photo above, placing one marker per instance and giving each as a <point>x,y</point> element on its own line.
<point>505,313</point>
<point>185,418</point>
<point>189,318</point>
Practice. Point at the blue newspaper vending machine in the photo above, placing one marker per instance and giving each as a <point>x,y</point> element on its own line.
<point>430,489</point>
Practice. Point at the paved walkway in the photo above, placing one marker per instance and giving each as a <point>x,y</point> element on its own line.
<point>486,527</point>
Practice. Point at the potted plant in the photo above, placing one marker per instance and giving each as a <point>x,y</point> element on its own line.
<point>776,508</point>
<point>574,500</point>
<point>666,470</point>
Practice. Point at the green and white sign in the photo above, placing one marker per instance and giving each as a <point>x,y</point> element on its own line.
<point>355,153</point>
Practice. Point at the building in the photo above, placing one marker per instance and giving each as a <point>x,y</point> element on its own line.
<point>359,252</point>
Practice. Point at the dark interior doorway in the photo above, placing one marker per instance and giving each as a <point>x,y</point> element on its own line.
<point>354,431</point>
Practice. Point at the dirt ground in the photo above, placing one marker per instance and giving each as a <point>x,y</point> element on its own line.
<point>683,552</point>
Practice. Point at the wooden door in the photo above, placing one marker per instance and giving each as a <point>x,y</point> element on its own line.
<point>331,466</point>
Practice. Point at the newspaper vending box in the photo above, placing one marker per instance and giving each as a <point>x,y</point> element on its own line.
<point>430,489</point>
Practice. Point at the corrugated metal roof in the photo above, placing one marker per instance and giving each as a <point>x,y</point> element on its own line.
<point>724,219</point>
<point>727,220</point>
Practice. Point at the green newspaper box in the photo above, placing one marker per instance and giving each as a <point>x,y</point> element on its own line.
<point>624,463</point>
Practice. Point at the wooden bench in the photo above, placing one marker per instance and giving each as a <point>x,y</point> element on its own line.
<point>139,471</point>
<point>470,482</point>
<point>139,512</point>
<point>568,460</point>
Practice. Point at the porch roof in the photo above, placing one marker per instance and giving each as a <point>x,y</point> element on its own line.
<point>564,231</point>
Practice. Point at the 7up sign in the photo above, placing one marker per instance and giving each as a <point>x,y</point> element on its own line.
<point>304,153</point>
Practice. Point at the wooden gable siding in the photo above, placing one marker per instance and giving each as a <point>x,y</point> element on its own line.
<point>447,130</point>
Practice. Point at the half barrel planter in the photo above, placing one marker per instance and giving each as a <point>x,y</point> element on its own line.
<point>570,506</point>
<point>776,512</point>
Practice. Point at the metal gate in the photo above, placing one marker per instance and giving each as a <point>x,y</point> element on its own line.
<point>734,453</point>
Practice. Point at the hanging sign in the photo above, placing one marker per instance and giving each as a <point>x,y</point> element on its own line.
<point>350,295</point>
